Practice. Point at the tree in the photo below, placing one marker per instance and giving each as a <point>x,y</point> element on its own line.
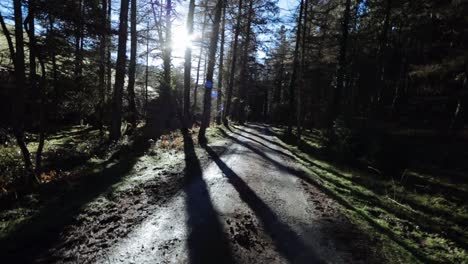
<point>292,84</point>
<point>209,74</point>
<point>166,85</point>
<point>188,65</point>
<point>232,70</point>
<point>242,91</point>
<point>200,56</point>
<point>300,99</point>
<point>20,76</point>
<point>102,62</point>
<point>132,66</point>
<point>119,74</point>
<point>340,75</point>
<point>219,98</point>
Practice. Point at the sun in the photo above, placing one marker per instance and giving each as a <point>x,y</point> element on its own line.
<point>180,41</point>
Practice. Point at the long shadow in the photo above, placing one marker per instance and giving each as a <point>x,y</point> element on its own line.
<point>207,242</point>
<point>260,153</point>
<point>366,184</point>
<point>287,242</point>
<point>78,133</point>
<point>43,231</point>
<point>256,135</point>
<point>263,144</point>
<point>262,128</point>
<point>303,176</point>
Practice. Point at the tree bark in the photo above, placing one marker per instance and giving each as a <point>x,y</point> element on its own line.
<point>300,106</point>
<point>109,48</point>
<point>230,87</point>
<point>219,98</point>
<point>33,55</point>
<point>102,66</point>
<point>292,84</point>
<point>209,74</point>
<point>188,65</point>
<point>132,66</point>
<point>195,90</point>
<point>242,92</point>
<point>120,73</point>
<point>147,69</point>
<point>167,52</point>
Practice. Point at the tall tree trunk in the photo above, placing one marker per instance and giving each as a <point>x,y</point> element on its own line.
<point>120,73</point>
<point>132,66</point>
<point>18,121</point>
<point>195,90</point>
<point>29,25</point>
<point>342,65</point>
<point>147,69</point>
<point>102,65</point>
<point>242,92</point>
<point>230,87</point>
<point>188,65</point>
<point>219,98</point>
<point>300,97</point>
<point>292,84</point>
<point>205,122</point>
<point>109,48</point>
<point>166,97</point>
<point>167,52</point>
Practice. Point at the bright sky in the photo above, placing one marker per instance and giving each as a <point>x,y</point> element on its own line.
<point>181,40</point>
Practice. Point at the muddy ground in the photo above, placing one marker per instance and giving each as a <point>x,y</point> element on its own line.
<point>240,200</point>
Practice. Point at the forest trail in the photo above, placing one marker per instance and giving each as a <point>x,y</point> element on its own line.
<point>246,206</point>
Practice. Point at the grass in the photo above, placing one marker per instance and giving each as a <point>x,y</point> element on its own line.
<point>72,156</point>
<point>423,214</point>
<point>62,151</point>
<point>68,155</point>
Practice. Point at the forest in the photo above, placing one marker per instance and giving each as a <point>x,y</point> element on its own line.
<point>234,131</point>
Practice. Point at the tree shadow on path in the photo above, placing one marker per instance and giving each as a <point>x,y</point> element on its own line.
<point>207,242</point>
<point>319,184</point>
<point>286,241</point>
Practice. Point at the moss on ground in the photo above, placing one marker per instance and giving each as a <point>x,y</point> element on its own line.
<point>413,222</point>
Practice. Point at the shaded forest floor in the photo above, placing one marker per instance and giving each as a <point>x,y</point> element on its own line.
<point>85,177</point>
<point>422,207</point>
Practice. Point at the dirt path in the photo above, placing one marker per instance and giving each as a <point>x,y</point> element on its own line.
<point>249,205</point>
